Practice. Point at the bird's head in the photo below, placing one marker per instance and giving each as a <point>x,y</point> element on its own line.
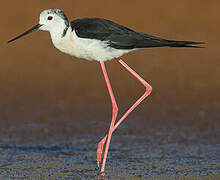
<point>52,20</point>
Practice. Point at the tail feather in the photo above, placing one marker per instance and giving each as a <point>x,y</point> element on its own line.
<point>189,44</point>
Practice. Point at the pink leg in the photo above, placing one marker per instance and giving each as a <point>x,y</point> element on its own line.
<point>147,92</point>
<point>114,115</point>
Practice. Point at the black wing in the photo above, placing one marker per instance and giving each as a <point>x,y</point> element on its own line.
<point>120,37</point>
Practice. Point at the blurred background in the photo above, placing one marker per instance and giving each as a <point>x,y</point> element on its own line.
<point>39,84</point>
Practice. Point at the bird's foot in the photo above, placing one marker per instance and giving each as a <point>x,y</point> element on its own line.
<point>101,176</point>
<point>100,150</point>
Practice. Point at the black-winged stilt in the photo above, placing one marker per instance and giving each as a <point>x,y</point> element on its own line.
<point>97,39</point>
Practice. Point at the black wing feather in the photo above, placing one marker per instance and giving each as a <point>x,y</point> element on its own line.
<point>121,37</point>
<point>97,28</point>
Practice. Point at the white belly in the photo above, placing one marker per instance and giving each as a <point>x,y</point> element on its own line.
<point>89,49</point>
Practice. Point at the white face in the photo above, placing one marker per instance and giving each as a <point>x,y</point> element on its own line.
<point>50,21</point>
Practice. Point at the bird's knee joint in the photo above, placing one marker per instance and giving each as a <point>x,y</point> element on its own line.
<point>115,109</point>
<point>148,89</point>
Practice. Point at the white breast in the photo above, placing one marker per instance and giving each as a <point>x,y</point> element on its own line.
<point>89,49</point>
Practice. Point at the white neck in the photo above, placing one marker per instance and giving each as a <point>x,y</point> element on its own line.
<point>58,33</point>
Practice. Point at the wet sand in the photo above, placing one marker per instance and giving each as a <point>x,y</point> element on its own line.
<point>67,149</point>
<point>131,157</point>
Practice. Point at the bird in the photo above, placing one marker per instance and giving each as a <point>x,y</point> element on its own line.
<point>98,39</point>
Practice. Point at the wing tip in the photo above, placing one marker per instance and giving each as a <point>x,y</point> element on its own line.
<point>190,44</point>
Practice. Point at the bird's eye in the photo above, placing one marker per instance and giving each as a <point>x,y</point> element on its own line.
<point>50,17</point>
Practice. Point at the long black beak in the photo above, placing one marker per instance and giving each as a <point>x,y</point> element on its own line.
<point>34,28</point>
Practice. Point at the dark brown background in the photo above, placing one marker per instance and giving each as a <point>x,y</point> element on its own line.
<point>38,82</point>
